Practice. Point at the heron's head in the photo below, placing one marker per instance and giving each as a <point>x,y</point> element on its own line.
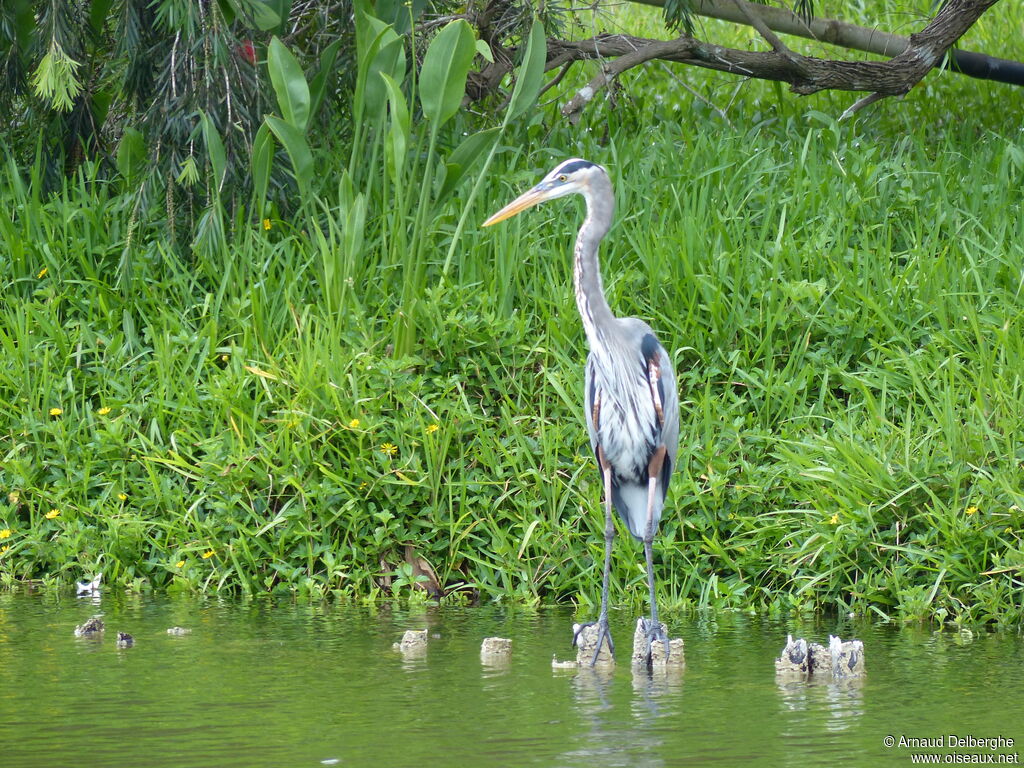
<point>571,176</point>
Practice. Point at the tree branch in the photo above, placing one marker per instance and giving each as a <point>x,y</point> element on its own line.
<point>845,35</point>
<point>805,74</point>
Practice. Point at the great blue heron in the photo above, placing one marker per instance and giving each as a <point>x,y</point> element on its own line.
<point>632,406</point>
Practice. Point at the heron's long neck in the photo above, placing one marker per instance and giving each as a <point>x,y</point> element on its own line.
<point>594,310</point>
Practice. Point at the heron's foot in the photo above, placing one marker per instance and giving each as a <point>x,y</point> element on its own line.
<point>654,630</point>
<point>603,635</point>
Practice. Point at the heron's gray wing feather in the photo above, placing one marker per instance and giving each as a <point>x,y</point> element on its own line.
<point>590,385</point>
<point>670,406</point>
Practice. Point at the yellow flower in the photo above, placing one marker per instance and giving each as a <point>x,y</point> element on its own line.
<point>431,428</point>
<point>103,411</point>
<point>224,358</point>
<point>971,511</point>
<point>42,273</point>
<point>180,564</point>
<point>353,424</point>
<point>52,514</point>
<point>4,549</point>
<point>1009,529</point>
<point>13,497</point>
<point>56,411</point>
<point>834,520</point>
<point>389,449</point>
<point>122,497</point>
<point>363,485</point>
<point>266,224</point>
<point>5,533</point>
<point>207,554</point>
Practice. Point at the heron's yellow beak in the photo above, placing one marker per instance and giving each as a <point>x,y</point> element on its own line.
<point>526,200</point>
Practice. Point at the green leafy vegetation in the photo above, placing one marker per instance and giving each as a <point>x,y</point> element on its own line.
<point>294,399</point>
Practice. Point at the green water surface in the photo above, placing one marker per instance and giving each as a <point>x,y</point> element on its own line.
<point>277,684</point>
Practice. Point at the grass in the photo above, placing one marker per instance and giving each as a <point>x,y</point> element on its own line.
<point>843,304</point>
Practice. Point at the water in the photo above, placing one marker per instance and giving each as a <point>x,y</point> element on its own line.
<point>282,685</point>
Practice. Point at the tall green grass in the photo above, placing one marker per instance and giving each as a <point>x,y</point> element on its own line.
<point>842,302</point>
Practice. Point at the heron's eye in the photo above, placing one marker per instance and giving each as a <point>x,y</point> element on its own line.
<point>563,177</point>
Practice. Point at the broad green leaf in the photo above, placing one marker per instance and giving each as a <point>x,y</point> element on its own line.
<point>530,75</point>
<point>214,151</point>
<point>289,84</point>
<point>295,144</point>
<point>484,50</point>
<point>262,14</point>
<point>374,33</point>
<point>399,130</point>
<point>262,162</point>
<point>445,67</point>
<point>131,155</point>
<point>400,14</point>
<point>99,11</point>
<point>465,156</point>
<point>318,87</point>
<point>390,60</point>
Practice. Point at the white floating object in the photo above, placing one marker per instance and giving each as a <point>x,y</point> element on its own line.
<point>179,631</point>
<point>89,587</point>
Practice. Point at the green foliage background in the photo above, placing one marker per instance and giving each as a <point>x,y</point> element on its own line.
<point>353,366</point>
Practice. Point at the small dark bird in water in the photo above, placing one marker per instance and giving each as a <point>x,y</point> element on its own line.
<point>92,627</point>
<point>124,640</point>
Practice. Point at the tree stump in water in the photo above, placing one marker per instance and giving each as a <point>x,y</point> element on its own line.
<point>495,649</point>
<point>586,644</point>
<point>414,641</point>
<point>675,657</point>
<point>839,660</point>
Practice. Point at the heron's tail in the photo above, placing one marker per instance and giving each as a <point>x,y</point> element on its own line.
<point>630,501</point>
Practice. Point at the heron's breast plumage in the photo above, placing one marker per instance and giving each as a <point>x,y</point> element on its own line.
<point>626,424</point>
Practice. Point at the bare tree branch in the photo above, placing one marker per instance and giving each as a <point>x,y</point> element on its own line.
<point>845,35</point>
<point>805,74</point>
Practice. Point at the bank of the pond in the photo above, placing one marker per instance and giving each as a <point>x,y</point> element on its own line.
<point>842,304</point>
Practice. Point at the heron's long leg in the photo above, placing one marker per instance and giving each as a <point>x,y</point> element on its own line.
<point>655,631</point>
<point>609,537</point>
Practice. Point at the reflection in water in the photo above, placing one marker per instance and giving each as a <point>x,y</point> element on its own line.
<point>622,726</point>
<point>259,683</point>
<point>842,701</point>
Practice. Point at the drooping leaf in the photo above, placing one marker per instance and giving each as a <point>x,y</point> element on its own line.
<point>445,67</point>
